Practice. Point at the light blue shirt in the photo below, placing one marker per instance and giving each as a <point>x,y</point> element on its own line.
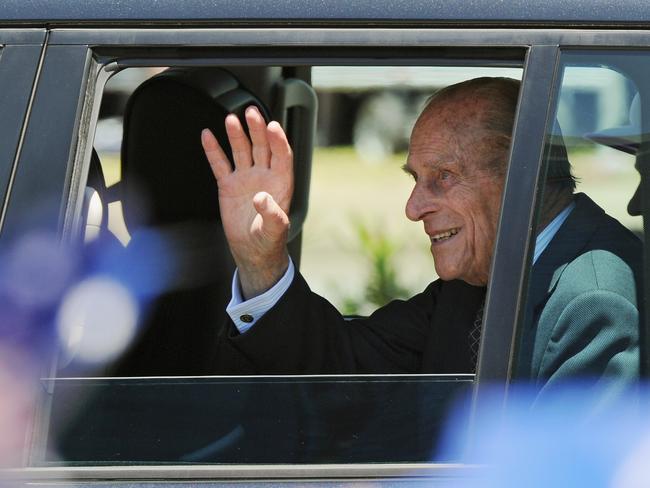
<point>252,310</point>
<point>545,237</point>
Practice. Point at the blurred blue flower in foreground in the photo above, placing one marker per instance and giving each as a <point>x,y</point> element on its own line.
<point>97,320</point>
<point>578,436</point>
<point>37,269</point>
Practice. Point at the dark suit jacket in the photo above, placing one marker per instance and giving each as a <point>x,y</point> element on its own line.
<point>303,333</point>
<point>581,319</point>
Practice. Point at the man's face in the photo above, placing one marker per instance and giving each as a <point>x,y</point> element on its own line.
<point>455,196</point>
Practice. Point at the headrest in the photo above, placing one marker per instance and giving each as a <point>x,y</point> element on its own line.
<point>166,178</point>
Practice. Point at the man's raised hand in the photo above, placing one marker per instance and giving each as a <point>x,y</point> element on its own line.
<point>254,198</point>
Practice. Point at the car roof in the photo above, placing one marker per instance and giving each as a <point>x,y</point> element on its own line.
<point>584,13</point>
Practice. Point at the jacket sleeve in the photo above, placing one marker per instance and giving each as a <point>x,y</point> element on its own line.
<point>303,333</point>
<point>595,341</point>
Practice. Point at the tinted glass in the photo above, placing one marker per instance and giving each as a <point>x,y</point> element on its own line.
<point>250,420</point>
<point>584,305</point>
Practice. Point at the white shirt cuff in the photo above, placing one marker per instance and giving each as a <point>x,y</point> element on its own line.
<point>245,313</point>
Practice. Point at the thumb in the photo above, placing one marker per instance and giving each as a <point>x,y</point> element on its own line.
<point>274,220</point>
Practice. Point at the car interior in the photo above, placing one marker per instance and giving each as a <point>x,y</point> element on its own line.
<point>170,209</point>
<point>167,189</point>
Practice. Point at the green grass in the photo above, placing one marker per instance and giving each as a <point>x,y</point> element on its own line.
<point>111,168</point>
<point>345,190</point>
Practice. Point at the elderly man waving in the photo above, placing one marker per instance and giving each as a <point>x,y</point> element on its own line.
<point>582,317</point>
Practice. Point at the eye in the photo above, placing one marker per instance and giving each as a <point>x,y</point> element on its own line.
<point>446,178</point>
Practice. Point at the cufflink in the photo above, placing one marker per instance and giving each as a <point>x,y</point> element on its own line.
<point>246,318</point>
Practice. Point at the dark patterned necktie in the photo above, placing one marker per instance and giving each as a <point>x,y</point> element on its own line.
<point>475,336</point>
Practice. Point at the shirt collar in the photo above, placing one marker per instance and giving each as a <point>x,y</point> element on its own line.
<point>545,237</point>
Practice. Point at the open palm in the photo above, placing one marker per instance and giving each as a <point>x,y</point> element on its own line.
<point>254,198</point>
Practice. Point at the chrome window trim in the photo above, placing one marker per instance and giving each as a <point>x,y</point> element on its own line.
<point>22,36</point>
<point>257,472</point>
<point>346,37</point>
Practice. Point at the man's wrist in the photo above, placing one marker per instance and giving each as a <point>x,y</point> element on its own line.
<point>255,280</point>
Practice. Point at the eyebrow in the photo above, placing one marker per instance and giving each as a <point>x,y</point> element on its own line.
<point>440,162</point>
<point>432,164</point>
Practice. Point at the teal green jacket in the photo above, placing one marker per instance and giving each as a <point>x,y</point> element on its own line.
<point>582,317</point>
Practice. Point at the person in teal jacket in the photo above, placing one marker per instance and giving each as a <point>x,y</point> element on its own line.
<point>582,314</point>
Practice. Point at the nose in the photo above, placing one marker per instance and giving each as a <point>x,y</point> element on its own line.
<point>415,205</point>
<point>634,205</point>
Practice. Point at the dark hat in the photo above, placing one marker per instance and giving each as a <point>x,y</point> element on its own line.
<point>626,138</point>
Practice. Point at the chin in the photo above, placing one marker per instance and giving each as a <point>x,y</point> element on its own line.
<point>446,275</point>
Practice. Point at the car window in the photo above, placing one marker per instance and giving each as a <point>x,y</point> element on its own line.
<point>220,420</point>
<point>144,305</point>
<point>358,250</point>
<point>359,260</point>
<point>584,309</point>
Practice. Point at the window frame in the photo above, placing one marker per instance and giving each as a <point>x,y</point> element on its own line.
<point>75,56</point>
<point>511,263</point>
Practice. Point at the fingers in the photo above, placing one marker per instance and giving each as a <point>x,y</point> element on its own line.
<point>267,147</point>
<point>257,130</point>
<point>281,154</point>
<point>216,157</point>
<point>241,146</point>
<point>274,220</point>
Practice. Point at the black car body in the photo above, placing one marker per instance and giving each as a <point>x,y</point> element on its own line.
<point>57,56</point>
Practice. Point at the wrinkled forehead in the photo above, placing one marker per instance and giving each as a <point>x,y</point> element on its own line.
<point>433,151</point>
<point>453,131</point>
<point>434,144</point>
<point>461,110</point>
<point>445,127</point>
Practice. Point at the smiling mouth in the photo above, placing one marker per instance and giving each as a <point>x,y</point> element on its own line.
<point>443,236</point>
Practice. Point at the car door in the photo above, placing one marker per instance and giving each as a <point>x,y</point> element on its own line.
<point>55,160</point>
<point>21,55</point>
<point>54,165</point>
